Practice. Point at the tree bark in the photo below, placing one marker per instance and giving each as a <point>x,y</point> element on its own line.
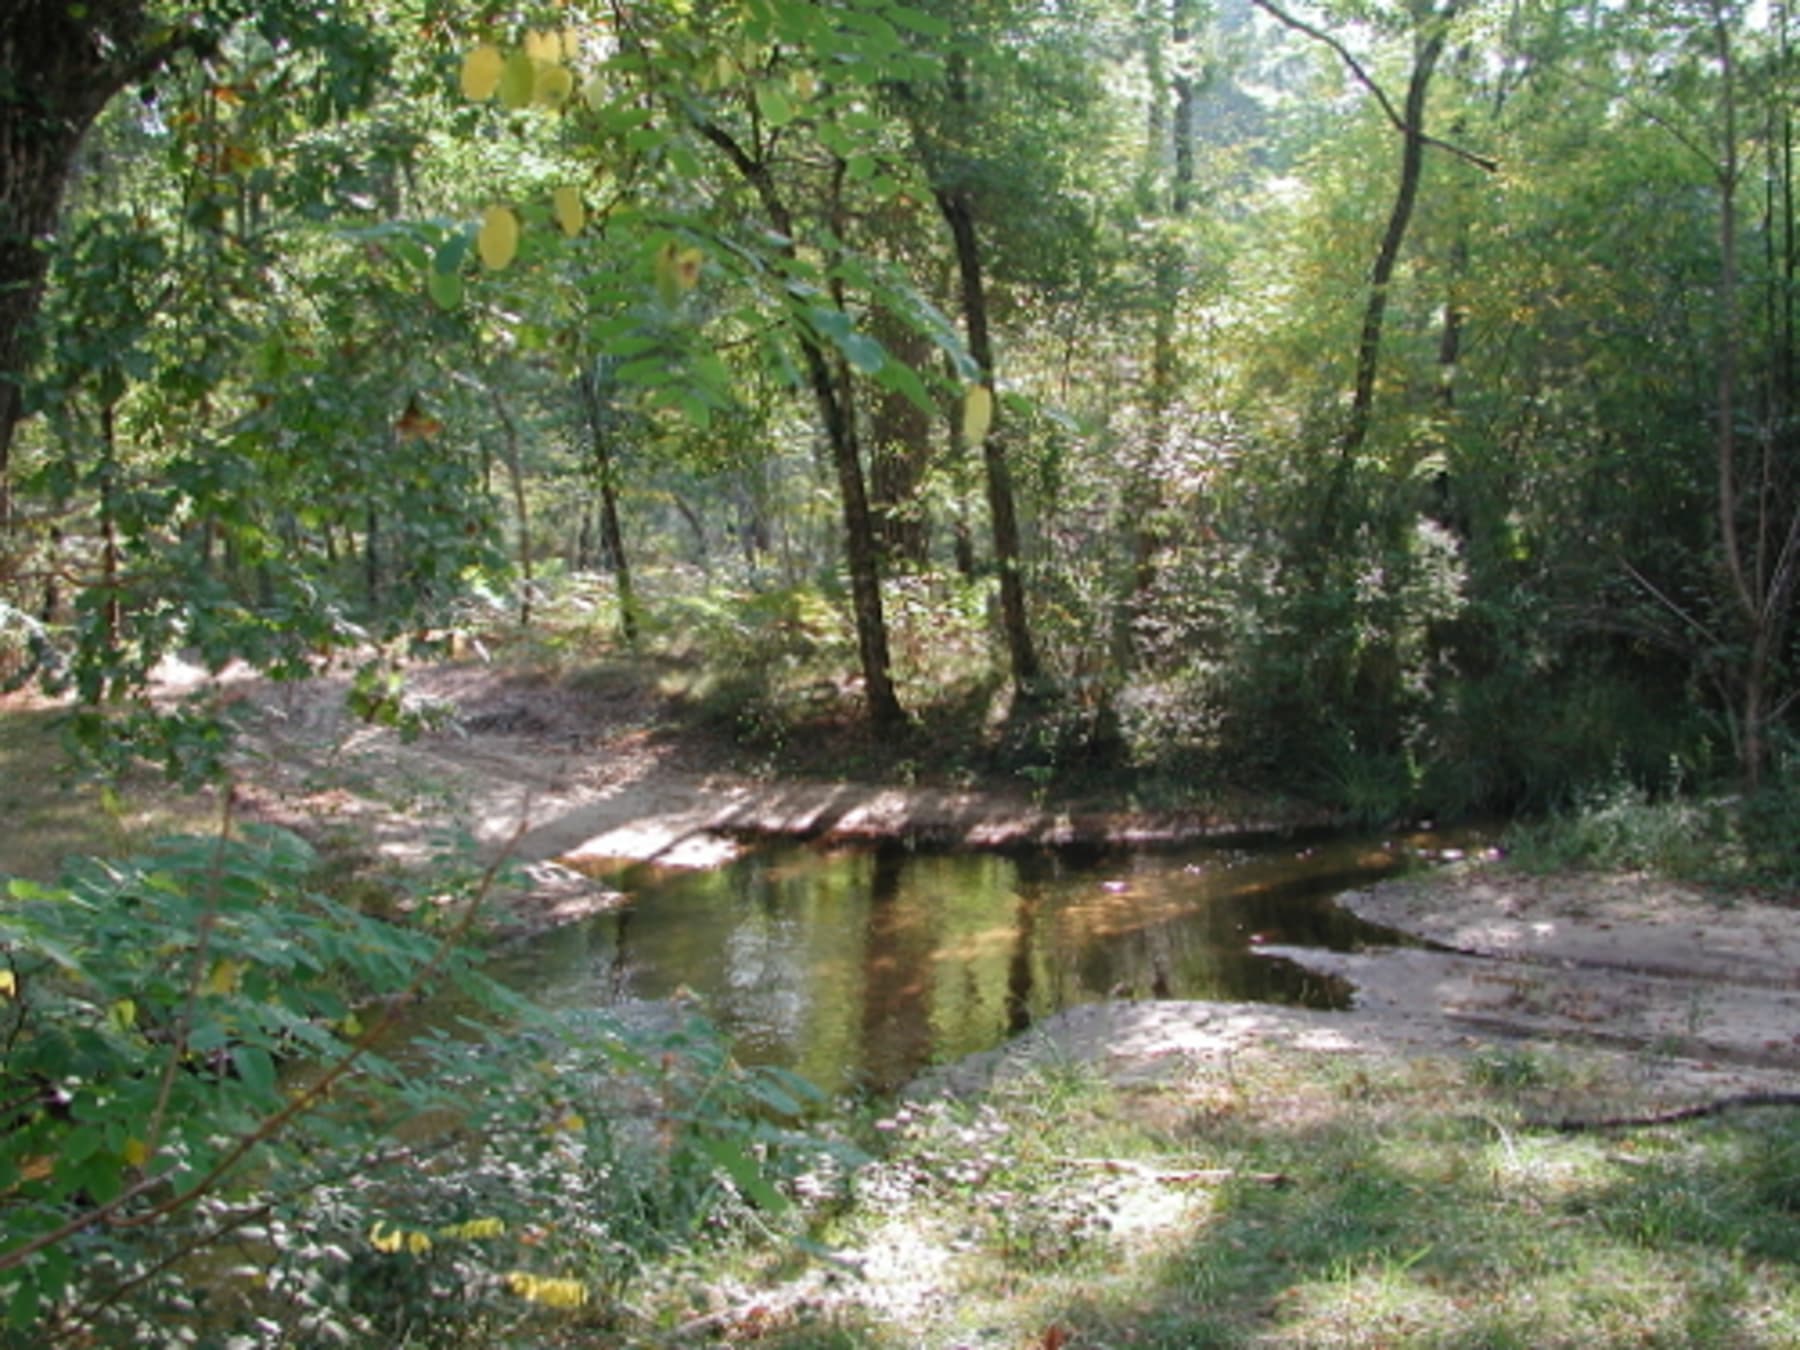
<point>900,442</point>
<point>959,214</point>
<point>1381,275</point>
<point>1181,35</point>
<point>860,553</point>
<point>612,538</point>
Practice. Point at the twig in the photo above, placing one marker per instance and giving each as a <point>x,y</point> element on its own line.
<point>1367,81</point>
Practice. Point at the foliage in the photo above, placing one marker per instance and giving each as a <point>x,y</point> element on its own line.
<point>207,1060</point>
<point>1734,841</point>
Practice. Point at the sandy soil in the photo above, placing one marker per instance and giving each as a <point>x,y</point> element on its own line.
<point>580,782</point>
<point>1691,992</point>
<point>1673,993</point>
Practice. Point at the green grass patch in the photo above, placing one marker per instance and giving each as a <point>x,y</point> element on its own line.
<point>1308,1202</point>
<point>1732,841</point>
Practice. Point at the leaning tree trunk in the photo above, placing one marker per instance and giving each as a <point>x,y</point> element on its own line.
<point>1381,277</point>
<point>612,538</point>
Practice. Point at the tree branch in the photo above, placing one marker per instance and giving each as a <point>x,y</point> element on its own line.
<point>1367,81</point>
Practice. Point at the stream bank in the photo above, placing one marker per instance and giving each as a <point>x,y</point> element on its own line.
<point>1689,992</point>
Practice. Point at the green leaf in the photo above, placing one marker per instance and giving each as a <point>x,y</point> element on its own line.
<point>22,1307</point>
<point>918,21</point>
<point>773,103</point>
<point>256,1068</point>
<point>863,352</point>
<point>905,381</point>
<point>445,288</point>
<point>744,1173</point>
<point>451,252</point>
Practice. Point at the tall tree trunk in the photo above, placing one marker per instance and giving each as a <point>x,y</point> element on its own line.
<point>899,450</point>
<point>1430,46</point>
<point>837,416</point>
<point>612,538</point>
<point>959,214</point>
<point>515,474</point>
<point>1431,32</point>
<point>1182,14</point>
<point>114,613</point>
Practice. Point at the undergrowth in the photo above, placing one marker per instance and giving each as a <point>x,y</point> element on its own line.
<point>1744,841</point>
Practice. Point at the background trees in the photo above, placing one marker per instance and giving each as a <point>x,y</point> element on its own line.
<point>1389,404</point>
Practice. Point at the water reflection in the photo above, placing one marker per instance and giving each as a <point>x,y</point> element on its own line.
<point>860,967</point>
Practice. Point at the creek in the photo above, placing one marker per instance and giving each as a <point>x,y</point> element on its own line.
<point>858,968</point>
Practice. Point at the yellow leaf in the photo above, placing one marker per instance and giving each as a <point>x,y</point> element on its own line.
<point>499,237</point>
<point>474,1228</point>
<point>593,93</point>
<point>552,85</point>
<point>978,414</point>
<point>552,1293</point>
<point>541,44</point>
<point>123,1014</point>
<point>385,1241</point>
<point>223,978</point>
<point>481,72</point>
<point>571,44</point>
<point>136,1152</point>
<point>417,1243</point>
<point>9,984</point>
<point>518,80</point>
<point>570,213</point>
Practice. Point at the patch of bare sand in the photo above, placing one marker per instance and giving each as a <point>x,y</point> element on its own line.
<point>1669,993</point>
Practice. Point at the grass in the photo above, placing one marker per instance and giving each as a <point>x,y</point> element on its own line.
<point>51,816</point>
<point>1419,1209</point>
<point>1730,841</point>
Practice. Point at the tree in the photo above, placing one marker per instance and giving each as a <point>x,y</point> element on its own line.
<point>1430,31</point>
<point>60,65</point>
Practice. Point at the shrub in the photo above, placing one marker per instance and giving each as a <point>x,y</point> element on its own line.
<point>200,1053</point>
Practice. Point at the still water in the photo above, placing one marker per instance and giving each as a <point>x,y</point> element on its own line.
<point>858,968</point>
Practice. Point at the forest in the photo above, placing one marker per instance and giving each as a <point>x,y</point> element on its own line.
<point>1384,406</point>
